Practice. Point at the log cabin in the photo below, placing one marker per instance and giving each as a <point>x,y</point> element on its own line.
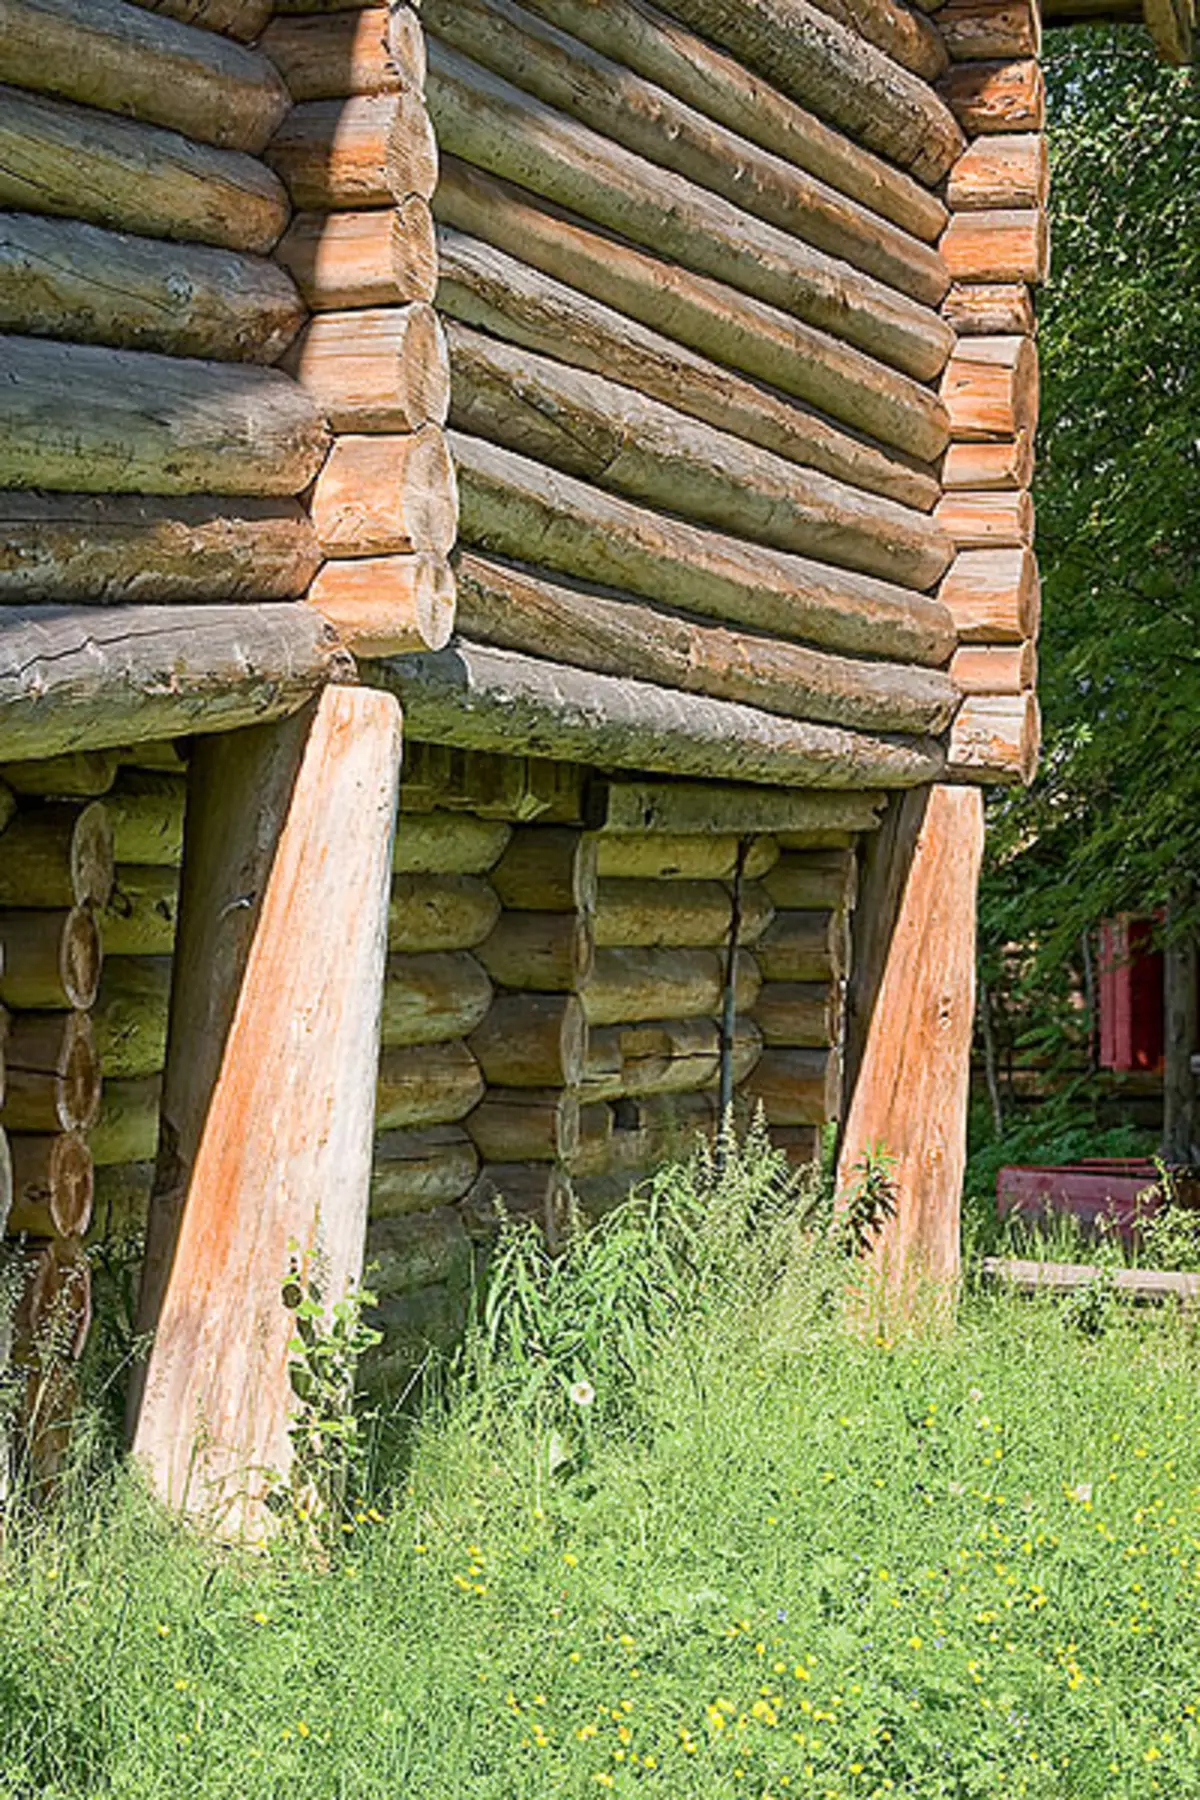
<point>516,570</point>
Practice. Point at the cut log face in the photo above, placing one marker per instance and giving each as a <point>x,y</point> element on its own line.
<point>541,952</point>
<point>362,151</point>
<point>995,668</point>
<point>525,1125</point>
<point>418,1170</point>
<point>1006,246</point>
<point>381,369</point>
<point>988,97</point>
<point>52,1074</point>
<point>984,468</point>
<point>385,257</point>
<point>803,946</point>
<point>991,388</point>
<point>431,998</point>
<point>387,605</point>
<point>814,880</point>
<point>999,172</point>
<point>441,912</point>
<point>996,738</point>
<point>57,856</point>
<point>547,869</point>
<point>988,309</point>
<point>666,1056</point>
<point>52,1191</point>
<point>387,495</point>
<point>532,1041</point>
<point>49,960</point>
<point>800,1013</point>
<point>990,30</point>
<point>369,50</point>
<point>995,596</point>
<point>795,1086</point>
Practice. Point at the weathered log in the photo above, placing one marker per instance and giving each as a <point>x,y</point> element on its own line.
<point>689,806</point>
<point>996,738</point>
<point>130,62</point>
<point>594,1151</point>
<point>387,495</point>
<point>547,869</point>
<point>52,1185</point>
<point>995,668</point>
<point>375,50</point>
<point>386,257</point>
<point>431,998</point>
<point>990,30</point>
<point>983,468</point>
<point>63,279</point>
<point>819,63</point>
<point>130,1016</point>
<point>607,97</point>
<point>803,946</point>
<point>986,310</point>
<point>893,27</point>
<point>140,917</point>
<point>524,789</point>
<point>368,150</point>
<point>146,812</point>
<point>72,549</point>
<point>419,1251</point>
<point>440,912</point>
<point>492,699</point>
<point>447,844</point>
<point>1004,174</point>
<point>995,596</point>
<point>96,674</point>
<point>655,1130</point>
<point>532,1041</point>
<point>517,610</point>
<point>57,856</point>
<point>483,286</point>
<point>592,428</point>
<point>641,37</point>
<point>629,985</point>
<point>510,503</point>
<point>126,1130</point>
<point>708,316</point>
<point>49,960</point>
<point>987,97</point>
<point>668,856</point>
<point>998,246</point>
<point>239,19</point>
<point>383,369</point>
<point>386,605</point>
<point>991,387</point>
<point>539,952</point>
<point>795,1086</point>
<point>684,914</point>
<point>811,881</point>
<point>988,520</point>
<point>801,1013</point>
<point>486,121</point>
<point>89,419</point>
<point>139,177</point>
<point>539,1192</point>
<point>74,774</point>
<point>415,1171</point>
<point>169,756</point>
<point>525,1125</point>
<point>426,1084</point>
<point>664,1056</point>
<point>52,1077</point>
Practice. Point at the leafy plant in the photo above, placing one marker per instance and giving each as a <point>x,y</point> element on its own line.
<point>869,1201</point>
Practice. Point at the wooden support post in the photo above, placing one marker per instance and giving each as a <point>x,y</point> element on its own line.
<point>269,1096</point>
<point>911,1007</point>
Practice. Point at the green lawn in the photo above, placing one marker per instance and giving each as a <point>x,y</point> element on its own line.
<point>779,1553</point>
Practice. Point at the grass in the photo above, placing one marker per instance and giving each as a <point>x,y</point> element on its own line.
<point>765,1550</point>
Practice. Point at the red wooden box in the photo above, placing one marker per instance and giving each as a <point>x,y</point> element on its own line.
<point>1119,1192</point>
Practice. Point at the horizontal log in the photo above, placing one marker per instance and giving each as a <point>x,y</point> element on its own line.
<point>811,881</point>
<point>996,738</point>
<point>375,50</point>
<point>532,1041</point>
<point>140,178</point>
<point>547,869</point>
<point>804,946</point>
<point>130,1016</point>
<point>51,1197</point>
<point>605,95</point>
<point>482,286</point>
<point>72,549</point>
<point>57,856</point>
<point>418,1251</point>
<point>49,960</point>
<point>707,316</point>
<point>991,387</point>
<point>987,468</point>
<point>629,985</point>
<point>417,1170</point>
<point>484,120</point>
<point>656,1130</point>
<point>896,29</point>
<point>664,1056</point>
<point>999,174</point>
<point>684,914</point>
<point>141,914</point>
<point>426,1084</point>
<point>95,674</point>
<point>242,20</point>
<point>146,811</point>
<point>989,310</point>
<point>81,418</point>
<point>523,789</point>
<point>525,1125</point>
<point>128,61</point>
<point>447,843</point>
<point>805,1014</point>
<point>539,952</point>
<point>434,997</point>
<point>52,1076</point>
<point>73,774</point>
<point>341,260</point>
<point>383,369</point>
<point>517,610</point>
<point>990,30</point>
<point>995,596</point>
<point>495,700</point>
<point>126,1130</point>
<point>669,856</point>
<point>998,246</point>
<point>821,64</point>
<point>63,279</point>
<point>368,150</point>
<point>999,96</point>
<point>995,668</point>
<point>988,520</point>
<point>642,37</point>
<point>689,806</point>
<point>509,503</point>
<point>441,912</point>
<point>538,1192</point>
<point>594,429</point>
<point>387,496</point>
<point>795,1086</point>
<point>386,605</point>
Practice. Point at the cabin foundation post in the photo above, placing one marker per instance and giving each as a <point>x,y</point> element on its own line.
<point>910,1014</point>
<point>266,1134</point>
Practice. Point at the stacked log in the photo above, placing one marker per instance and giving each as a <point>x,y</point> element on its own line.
<point>358,157</point>
<point>996,247</point>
